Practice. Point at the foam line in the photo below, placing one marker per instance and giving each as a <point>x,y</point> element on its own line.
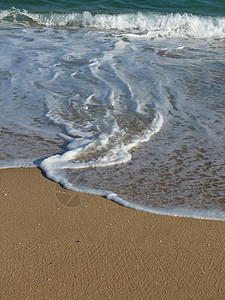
<point>152,24</point>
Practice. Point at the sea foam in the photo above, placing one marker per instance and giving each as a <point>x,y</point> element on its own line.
<point>152,24</point>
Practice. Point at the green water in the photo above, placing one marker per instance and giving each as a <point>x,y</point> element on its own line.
<point>202,7</point>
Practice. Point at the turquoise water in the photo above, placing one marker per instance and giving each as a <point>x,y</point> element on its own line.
<point>201,7</point>
<point>119,98</point>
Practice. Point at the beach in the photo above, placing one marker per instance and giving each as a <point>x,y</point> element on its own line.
<point>112,169</point>
<point>59,244</point>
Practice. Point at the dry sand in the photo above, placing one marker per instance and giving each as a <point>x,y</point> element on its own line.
<point>58,244</point>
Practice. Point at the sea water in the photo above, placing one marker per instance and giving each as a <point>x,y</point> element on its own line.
<point>119,98</point>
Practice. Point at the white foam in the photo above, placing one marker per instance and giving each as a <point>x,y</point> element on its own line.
<point>152,24</point>
<point>116,154</point>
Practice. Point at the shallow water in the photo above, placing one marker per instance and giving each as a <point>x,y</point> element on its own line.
<point>131,104</point>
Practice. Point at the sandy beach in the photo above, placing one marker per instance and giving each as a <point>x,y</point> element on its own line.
<point>58,244</point>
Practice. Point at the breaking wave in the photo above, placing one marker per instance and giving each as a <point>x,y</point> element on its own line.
<point>150,24</point>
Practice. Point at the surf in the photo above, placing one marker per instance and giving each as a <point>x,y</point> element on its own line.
<point>150,24</point>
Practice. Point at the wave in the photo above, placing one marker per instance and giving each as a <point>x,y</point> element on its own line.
<point>150,24</point>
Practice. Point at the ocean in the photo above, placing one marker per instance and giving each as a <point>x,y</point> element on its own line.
<point>119,98</point>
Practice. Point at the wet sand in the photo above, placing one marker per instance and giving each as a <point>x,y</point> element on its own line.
<point>58,244</point>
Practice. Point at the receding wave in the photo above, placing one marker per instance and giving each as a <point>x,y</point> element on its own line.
<point>151,24</point>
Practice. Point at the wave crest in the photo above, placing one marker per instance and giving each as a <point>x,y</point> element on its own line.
<point>151,24</point>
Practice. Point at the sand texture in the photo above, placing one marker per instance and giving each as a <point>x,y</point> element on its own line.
<point>58,244</point>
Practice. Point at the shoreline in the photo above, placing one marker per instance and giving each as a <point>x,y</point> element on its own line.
<point>180,212</point>
<point>60,244</point>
